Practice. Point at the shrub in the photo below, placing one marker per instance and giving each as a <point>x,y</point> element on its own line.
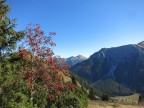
<point>74,81</point>
<point>105,97</point>
<point>91,94</point>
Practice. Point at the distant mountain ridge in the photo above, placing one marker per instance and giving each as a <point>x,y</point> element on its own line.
<point>71,61</point>
<point>141,44</point>
<point>124,65</point>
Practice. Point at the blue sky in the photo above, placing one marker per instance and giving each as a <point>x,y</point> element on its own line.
<point>83,26</point>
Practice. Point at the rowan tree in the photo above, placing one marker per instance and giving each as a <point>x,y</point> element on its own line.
<point>32,77</point>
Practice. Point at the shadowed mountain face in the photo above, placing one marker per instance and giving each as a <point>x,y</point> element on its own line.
<point>111,87</point>
<point>124,65</point>
<point>71,61</point>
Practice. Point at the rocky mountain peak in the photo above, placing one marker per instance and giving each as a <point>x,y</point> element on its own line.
<point>71,61</point>
<point>123,64</point>
<point>81,57</point>
<point>141,44</point>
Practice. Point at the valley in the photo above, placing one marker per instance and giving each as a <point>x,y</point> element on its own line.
<point>98,62</point>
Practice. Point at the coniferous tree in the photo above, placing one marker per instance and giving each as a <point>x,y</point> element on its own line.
<point>91,94</point>
<point>8,36</point>
<point>105,97</point>
<point>73,78</point>
<point>8,39</point>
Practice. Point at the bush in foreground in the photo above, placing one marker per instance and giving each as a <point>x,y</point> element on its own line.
<point>31,77</point>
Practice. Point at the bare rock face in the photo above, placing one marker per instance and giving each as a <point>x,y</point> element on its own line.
<point>124,65</point>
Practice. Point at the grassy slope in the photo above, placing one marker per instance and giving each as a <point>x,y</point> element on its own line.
<point>111,105</point>
<point>132,99</point>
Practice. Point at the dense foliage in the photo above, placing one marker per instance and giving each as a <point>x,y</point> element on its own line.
<point>8,36</point>
<point>141,97</point>
<point>91,94</point>
<point>31,77</point>
<point>105,97</point>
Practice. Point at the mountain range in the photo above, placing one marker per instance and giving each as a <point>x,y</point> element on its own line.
<point>71,61</point>
<point>121,66</point>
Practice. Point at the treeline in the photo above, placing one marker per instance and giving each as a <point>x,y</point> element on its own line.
<point>93,93</point>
